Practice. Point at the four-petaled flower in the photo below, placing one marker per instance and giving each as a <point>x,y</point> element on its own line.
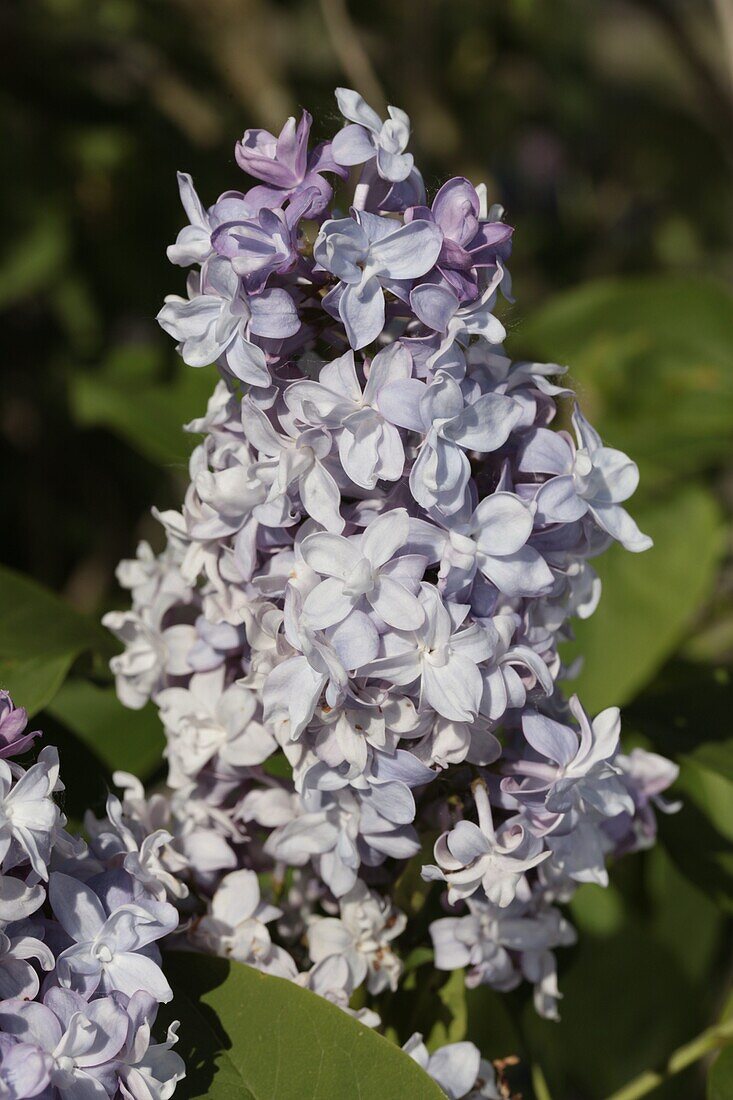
<point>370,254</point>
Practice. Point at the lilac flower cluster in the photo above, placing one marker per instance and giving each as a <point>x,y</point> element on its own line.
<point>352,633</point>
<point>80,976</point>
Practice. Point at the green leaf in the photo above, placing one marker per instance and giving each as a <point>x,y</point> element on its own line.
<point>35,260</point>
<point>698,838</point>
<point>411,889</point>
<point>626,1004</point>
<point>720,1076</point>
<point>450,1027</point>
<point>648,599</point>
<point>597,910</point>
<point>128,740</point>
<point>131,396</point>
<point>489,1023</point>
<point>686,714</point>
<point>249,1036</point>
<point>40,638</point>
<point>678,906</point>
<point>636,347</point>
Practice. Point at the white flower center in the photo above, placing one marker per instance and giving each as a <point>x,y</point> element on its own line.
<point>437,656</point>
<point>102,952</point>
<point>361,579</point>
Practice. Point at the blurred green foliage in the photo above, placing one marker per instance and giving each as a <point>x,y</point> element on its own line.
<point>606,130</point>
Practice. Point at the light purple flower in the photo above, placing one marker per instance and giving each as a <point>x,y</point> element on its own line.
<point>470,856</point>
<point>218,321</point>
<point>361,935</point>
<point>299,460</point>
<point>491,539</point>
<point>262,246</point>
<point>646,775</point>
<point>193,243</point>
<point>24,1069</point>
<point>77,1040</point>
<point>28,814</point>
<point>586,477</point>
<point>293,688</point>
<point>109,952</point>
<point>367,569</point>
<point>236,928</point>
<point>450,427</point>
<point>368,254</point>
<point>286,167</point>
<point>18,977</point>
<point>469,243</point>
<point>579,769</point>
<point>370,447</point>
<point>13,721</point>
<point>369,138</point>
<point>208,720</point>
<point>500,946</point>
<point>442,658</point>
<point>458,1068</point>
<point>332,979</point>
<point>147,1070</point>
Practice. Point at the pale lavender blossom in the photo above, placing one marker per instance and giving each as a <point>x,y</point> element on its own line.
<point>443,659</point>
<point>458,1068</point>
<point>369,254</point>
<point>286,167</point>
<point>18,977</point>
<point>24,1069</point>
<point>470,243</point>
<point>193,243</point>
<point>147,1070</point>
<point>110,951</point>
<point>13,721</point>
<point>368,570</point>
<point>219,321</point>
<point>585,477</point>
<point>370,447</point>
<point>361,935</point>
<point>500,946</point>
<point>471,856</point>
<point>236,926</point>
<point>78,1041</point>
<point>369,138</point>
<point>451,427</point>
<point>332,979</point>
<point>28,814</point>
<point>579,768</point>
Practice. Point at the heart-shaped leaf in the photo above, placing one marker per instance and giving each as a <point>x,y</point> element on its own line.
<point>250,1036</point>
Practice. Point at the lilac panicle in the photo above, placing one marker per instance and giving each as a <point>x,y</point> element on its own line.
<point>382,544</point>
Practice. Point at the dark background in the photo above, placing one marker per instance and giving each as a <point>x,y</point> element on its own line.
<point>606,130</point>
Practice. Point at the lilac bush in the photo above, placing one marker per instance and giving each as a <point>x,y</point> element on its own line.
<point>352,632</point>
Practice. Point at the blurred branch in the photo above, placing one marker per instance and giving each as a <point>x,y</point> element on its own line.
<point>539,1084</point>
<point>436,129</point>
<point>185,108</point>
<point>352,56</point>
<point>724,12</point>
<point>241,37</point>
<point>707,1043</point>
<point>716,99</point>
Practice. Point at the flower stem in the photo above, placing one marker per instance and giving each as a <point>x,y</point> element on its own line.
<point>708,1041</point>
<point>539,1084</point>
